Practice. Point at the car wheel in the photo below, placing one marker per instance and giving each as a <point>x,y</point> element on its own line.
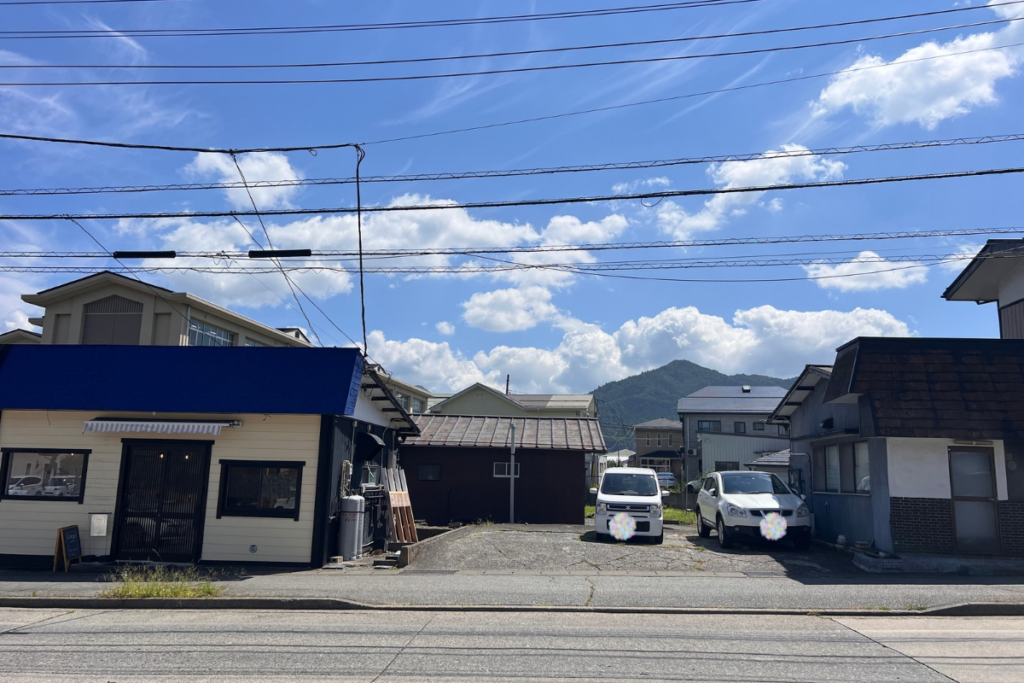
<point>657,540</point>
<point>724,541</point>
<point>702,529</point>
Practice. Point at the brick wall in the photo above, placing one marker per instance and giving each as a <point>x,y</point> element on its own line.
<point>922,525</point>
<point>1011,526</point>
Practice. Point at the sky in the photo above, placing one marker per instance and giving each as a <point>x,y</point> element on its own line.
<point>549,329</point>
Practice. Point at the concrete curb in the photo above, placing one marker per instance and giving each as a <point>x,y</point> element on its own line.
<point>988,609</point>
<point>406,554</point>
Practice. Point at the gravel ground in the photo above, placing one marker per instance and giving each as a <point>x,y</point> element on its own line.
<point>573,548</point>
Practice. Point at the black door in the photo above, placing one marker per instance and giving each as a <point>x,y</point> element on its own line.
<point>163,501</point>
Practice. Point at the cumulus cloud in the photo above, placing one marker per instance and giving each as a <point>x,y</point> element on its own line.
<point>867,272</point>
<point>259,166</point>
<point>927,92</point>
<point>762,340</point>
<point>446,328</point>
<point>15,311</point>
<point>962,256</point>
<point>509,310</point>
<point>634,185</point>
<point>772,168</point>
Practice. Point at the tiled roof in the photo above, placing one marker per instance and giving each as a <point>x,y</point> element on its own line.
<point>538,433</point>
<point>660,423</point>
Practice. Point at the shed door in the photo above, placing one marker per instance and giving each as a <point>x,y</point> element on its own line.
<point>973,484</point>
<point>163,502</point>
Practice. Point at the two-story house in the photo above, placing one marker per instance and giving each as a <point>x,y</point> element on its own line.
<point>659,446</point>
<point>724,428</point>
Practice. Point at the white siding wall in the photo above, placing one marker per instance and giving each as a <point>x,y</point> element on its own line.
<point>919,468</point>
<point>30,527</point>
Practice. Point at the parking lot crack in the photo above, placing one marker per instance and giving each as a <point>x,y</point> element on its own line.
<point>592,589</point>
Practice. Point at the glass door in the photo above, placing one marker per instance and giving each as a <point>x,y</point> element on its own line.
<point>973,486</point>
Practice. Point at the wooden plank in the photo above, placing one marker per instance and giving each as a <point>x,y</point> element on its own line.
<point>401,474</point>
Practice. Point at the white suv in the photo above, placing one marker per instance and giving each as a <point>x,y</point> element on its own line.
<point>635,491</point>
<point>734,503</point>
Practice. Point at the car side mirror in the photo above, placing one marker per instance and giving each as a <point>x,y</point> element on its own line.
<point>664,494</point>
<point>713,493</point>
<point>594,491</point>
<point>803,496</point>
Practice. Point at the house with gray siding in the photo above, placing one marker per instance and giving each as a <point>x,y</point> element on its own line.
<point>724,428</point>
<point>915,445</point>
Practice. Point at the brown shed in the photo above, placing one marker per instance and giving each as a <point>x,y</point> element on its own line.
<point>458,468</point>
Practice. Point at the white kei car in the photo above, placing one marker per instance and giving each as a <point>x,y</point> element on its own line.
<point>734,503</point>
<point>635,491</point>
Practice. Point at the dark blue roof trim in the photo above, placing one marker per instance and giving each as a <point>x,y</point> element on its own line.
<point>174,379</point>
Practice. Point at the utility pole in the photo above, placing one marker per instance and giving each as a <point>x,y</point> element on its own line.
<point>512,478</point>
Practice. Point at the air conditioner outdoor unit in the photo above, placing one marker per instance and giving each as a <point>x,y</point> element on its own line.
<point>691,451</point>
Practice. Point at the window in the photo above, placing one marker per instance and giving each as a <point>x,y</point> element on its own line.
<point>251,343</point>
<point>418,405</point>
<point>753,482</point>
<point>428,472</point>
<point>726,466</point>
<point>253,488</point>
<point>44,474</point>
<point>783,430</point>
<point>739,427</point>
<point>648,438</point>
<point>861,472</point>
<point>659,439</point>
<point>759,426</point>
<point>709,425</point>
<point>657,464</point>
<point>832,468</point>
<point>709,484</point>
<point>618,484</point>
<point>501,470</point>
<point>670,438</point>
<point>202,334</point>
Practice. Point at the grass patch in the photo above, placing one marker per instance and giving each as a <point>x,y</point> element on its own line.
<point>134,581</point>
<point>670,514</point>
<point>589,511</point>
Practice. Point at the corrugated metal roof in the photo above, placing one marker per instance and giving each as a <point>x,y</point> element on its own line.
<point>660,423</point>
<point>755,406</point>
<point>738,392</point>
<point>581,401</point>
<point>780,459</point>
<point>543,433</point>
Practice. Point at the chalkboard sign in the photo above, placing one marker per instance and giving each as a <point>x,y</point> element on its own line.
<point>68,548</point>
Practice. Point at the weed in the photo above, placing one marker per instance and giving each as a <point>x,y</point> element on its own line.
<point>485,522</point>
<point>914,607</point>
<point>681,516</point>
<point>134,581</point>
<point>700,549</point>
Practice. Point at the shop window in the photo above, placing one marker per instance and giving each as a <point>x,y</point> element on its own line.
<point>252,488</point>
<point>203,334</point>
<point>501,470</point>
<point>709,425</point>
<point>428,472</point>
<point>44,474</point>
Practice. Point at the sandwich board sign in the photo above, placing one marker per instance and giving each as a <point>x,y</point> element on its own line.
<point>68,548</point>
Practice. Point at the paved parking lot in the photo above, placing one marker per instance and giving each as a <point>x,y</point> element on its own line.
<point>571,548</point>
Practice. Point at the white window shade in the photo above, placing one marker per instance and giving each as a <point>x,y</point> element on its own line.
<point>155,427</point>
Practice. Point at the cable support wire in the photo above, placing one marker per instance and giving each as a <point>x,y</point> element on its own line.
<point>524,202</point>
<point>342,28</point>
<point>914,260</point>
<point>522,69</point>
<point>515,53</point>
<point>510,173</point>
<point>553,248</point>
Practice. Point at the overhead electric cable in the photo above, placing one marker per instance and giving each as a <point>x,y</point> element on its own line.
<point>448,206</point>
<point>344,28</point>
<point>171,148</point>
<point>549,170</point>
<point>513,53</point>
<point>517,70</point>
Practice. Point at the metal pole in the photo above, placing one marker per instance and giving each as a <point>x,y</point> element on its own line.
<point>512,479</point>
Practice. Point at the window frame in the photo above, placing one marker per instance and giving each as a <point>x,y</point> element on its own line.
<point>739,427</point>
<point>505,465</point>
<point>759,426</point>
<point>6,457</point>
<point>711,426</point>
<point>274,513</point>
<point>846,460</point>
<point>233,336</point>
<point>419,472</point>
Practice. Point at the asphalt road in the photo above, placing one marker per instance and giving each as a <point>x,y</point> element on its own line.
<point>118,647</point>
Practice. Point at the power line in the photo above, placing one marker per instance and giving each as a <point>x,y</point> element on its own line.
<point>313,149</point>
<point>550,170</point>
<point>448,206</point>
<point>517,70</point>
<point>344,28</point>
<point>514,53</point>
<point>73,2</point>
<point>600,246</point>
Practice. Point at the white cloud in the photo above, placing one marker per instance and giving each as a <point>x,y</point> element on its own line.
<point>257,167</point>
<point>963,253</point>
<point>446,328</point>
<point>772,168</point>
<point>867,272</point>
<point>509,310</point>
<point>762,340</point>
<point>15,312</point>
<point>634,185</point>
<point>927,92</point>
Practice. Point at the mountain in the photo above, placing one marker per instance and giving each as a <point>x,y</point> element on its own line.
<point>655,393</point>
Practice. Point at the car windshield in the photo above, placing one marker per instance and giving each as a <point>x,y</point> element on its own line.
<point>753,482</point>
<point>616,484</point>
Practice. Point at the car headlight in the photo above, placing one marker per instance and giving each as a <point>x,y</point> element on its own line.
<point>802,511</point>
<point>602,508</point>
<point>655,511</point>
<point>734,511</point>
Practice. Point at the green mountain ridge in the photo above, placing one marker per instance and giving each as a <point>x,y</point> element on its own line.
<point>655,394</point>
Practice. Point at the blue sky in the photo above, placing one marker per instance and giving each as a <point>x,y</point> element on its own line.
<point>550,330</point>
